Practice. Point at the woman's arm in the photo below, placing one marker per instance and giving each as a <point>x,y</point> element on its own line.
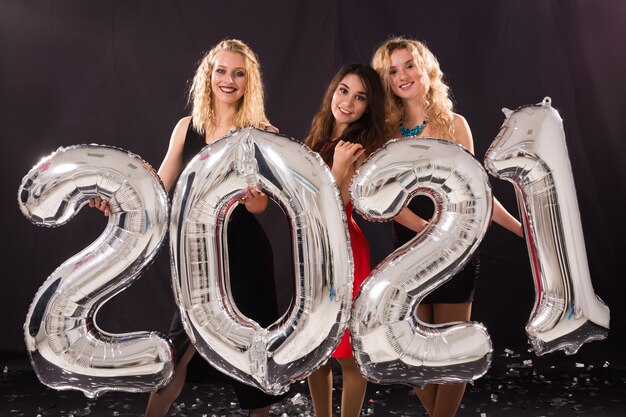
<point>505,219</point>
<point>172,164</point>
<point>463,136</point>
<point>170,167</point>
<point>411,220</point>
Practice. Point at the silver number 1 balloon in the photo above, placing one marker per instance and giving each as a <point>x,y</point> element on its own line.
<point>66,347</point>
<point>530,152</point>
<point>206,193</point>
<point>391,344</point>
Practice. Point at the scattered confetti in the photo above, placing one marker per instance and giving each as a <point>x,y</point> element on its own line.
<point>518,384</point>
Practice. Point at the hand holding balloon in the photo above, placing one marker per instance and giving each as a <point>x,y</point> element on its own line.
<point>100,204</point>
<point>250,160</point>
<point>65,345</point>
<point>254,199</point>
<point>391,344</point>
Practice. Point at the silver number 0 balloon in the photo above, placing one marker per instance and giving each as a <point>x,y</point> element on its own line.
<point>391,345</point>
<point>66,347</point>
<point>206,193</point>
<point>530,151</point>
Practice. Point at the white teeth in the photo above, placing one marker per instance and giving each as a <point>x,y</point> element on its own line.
<point>344,111</point>
<point>228,89</point>
<point>406,85</point>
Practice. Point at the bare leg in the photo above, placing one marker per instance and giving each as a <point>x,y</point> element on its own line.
<point>321,389</point>
<point>448,399</point>
<point>353,390</point>
<point>260,412</point>
<point>160,402</point>
<point>449,396</point>
<point>428,394</point>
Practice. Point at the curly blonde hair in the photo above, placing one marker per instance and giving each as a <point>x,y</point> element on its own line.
<point>437,103</point>
<point>251,110</point>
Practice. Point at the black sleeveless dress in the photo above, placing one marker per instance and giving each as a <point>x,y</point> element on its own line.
<point>459,288</point>
<point>252,281</point>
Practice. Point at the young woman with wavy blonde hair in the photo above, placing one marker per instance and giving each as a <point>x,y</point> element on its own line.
<point>226,94</point>
<point>419,105</point>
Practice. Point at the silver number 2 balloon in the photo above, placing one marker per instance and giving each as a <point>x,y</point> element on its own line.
<point>530,152</point>
<point>206,193</point>
<point>66,347</point>
<point>391,345</point>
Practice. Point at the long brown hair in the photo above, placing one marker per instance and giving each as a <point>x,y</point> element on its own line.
<point>437,102</point>
<point>369,130</point>
<point>251,110</point>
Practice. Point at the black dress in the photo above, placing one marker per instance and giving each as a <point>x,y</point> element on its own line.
<point>252,280</point>
<point>459,288</point>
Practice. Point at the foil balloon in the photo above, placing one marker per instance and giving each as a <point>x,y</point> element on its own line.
<point>530,152</point>
<point>66,347</point>
<point>206,193</point>
<point>391,344</point>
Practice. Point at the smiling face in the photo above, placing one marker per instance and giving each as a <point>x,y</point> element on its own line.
<point>228,78</point>
<point>349,101</point>
<point>405,78</point>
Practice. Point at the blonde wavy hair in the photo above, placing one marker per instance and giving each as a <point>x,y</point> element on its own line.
<point>251,110</point>
<point>437,103</point>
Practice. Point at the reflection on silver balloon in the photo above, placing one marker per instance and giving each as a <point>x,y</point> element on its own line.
<point>66,348</point>
<point>530,152</point>
<point>391,345</point>
<point>206,194</point>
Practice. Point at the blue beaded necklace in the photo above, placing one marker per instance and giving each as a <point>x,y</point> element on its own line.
<point>412,132</point>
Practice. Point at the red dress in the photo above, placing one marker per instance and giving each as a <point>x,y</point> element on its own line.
<point>362,268</point>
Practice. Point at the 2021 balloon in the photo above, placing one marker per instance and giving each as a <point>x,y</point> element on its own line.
<point>206,193</point>
<point>391,345</point>
<point>530,152</point>
<point>66,347</point>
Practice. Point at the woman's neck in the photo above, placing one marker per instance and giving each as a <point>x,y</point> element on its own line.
<point>222,123</point>
<point>414,113</point>
<point>224,114</point>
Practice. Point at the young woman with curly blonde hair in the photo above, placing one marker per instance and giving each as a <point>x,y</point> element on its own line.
<point>226,94</point>
<point>419,105</point>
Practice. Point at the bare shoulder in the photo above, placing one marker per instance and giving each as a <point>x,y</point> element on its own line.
<point>184,121</point>
<point>462,132</point>
<point>180,131</point>
<point>182,125</point>
<point>460,123</point>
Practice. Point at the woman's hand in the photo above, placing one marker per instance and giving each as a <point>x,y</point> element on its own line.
<point>267,126</point>
<point>346,154</point>
<point>344,159</point>
<point>254,200</point>
<point>101,205</point>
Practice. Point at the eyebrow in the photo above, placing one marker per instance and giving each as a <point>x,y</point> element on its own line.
<point>407,61</point>
<point>234,69</point>
<point>348,88</point>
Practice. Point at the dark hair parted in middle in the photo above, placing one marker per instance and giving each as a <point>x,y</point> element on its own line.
<point>369,130</point>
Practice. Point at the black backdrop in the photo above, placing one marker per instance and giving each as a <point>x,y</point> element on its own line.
<point>116,72</point>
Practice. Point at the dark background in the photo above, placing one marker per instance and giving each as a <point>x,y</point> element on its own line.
<point>116,73</point>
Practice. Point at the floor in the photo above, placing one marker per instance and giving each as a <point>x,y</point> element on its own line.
<point>518,384</point>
